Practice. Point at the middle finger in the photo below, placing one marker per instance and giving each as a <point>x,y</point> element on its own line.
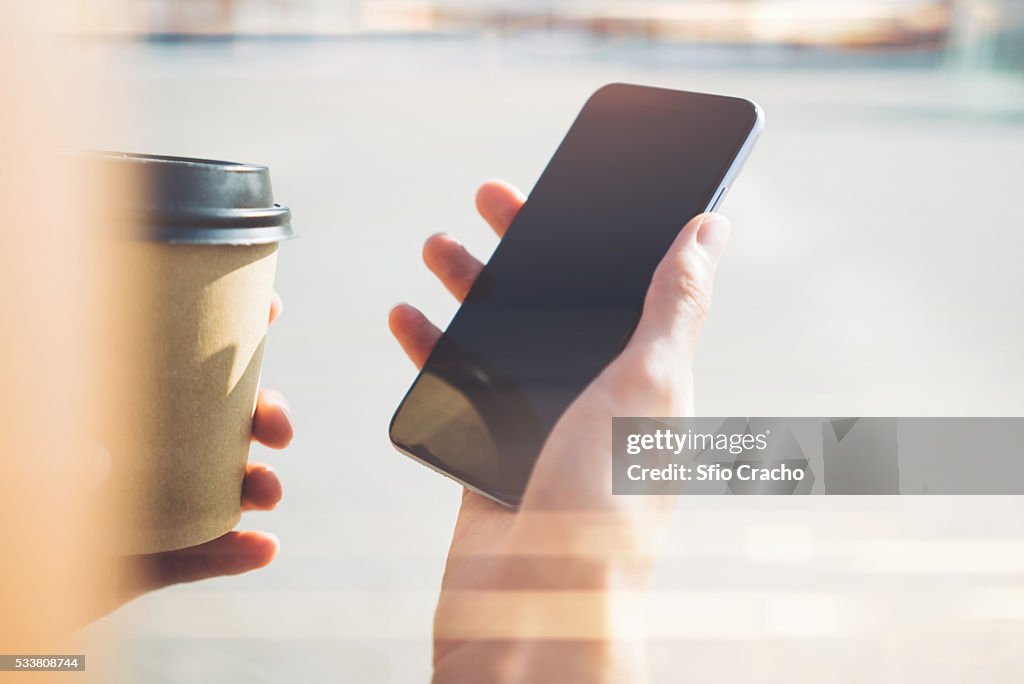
<point>456,268</point>
<point>261,490</point>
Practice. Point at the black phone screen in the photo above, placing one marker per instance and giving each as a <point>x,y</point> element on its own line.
<point>564,289</point>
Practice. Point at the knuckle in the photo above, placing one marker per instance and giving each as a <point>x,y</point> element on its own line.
<point>685,286</point>
<point>651,377</point>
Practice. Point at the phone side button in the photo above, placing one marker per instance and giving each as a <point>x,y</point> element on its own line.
<point>718,199</point>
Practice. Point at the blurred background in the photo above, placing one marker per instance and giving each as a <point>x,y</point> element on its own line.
<point>874,270</point>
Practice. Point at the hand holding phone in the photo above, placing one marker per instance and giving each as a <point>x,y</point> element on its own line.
<point>570,533</point>
<point>564,291</point>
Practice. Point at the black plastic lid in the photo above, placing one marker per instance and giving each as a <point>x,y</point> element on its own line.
<point>194,201</point>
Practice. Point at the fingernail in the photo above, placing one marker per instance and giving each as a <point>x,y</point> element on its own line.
<point>713,235</point>
<point>259,553</point>
<point>277,399</point>
<point>275,540</point>
<point>283,406</point>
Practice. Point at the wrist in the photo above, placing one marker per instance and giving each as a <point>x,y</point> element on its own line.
<point>587,551</point>
<point>519,636</point>
<point>612,661</point>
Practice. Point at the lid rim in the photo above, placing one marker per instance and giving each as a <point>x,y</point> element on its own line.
<point>218,236</point>
<point>169,159</point>
<point>222,218</point>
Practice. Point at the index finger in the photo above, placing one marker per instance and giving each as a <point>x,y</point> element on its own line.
<point>498,203</point>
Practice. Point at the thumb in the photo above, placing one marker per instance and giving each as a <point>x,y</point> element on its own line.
<point>679,298</point>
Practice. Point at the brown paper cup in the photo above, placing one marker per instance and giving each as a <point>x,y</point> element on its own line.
<point>201,315</point>
<point>191,272</point>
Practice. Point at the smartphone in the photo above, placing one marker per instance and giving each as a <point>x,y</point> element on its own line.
<point>564,290</point>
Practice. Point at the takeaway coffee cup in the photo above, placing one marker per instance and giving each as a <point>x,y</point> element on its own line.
<point>194,252</point>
